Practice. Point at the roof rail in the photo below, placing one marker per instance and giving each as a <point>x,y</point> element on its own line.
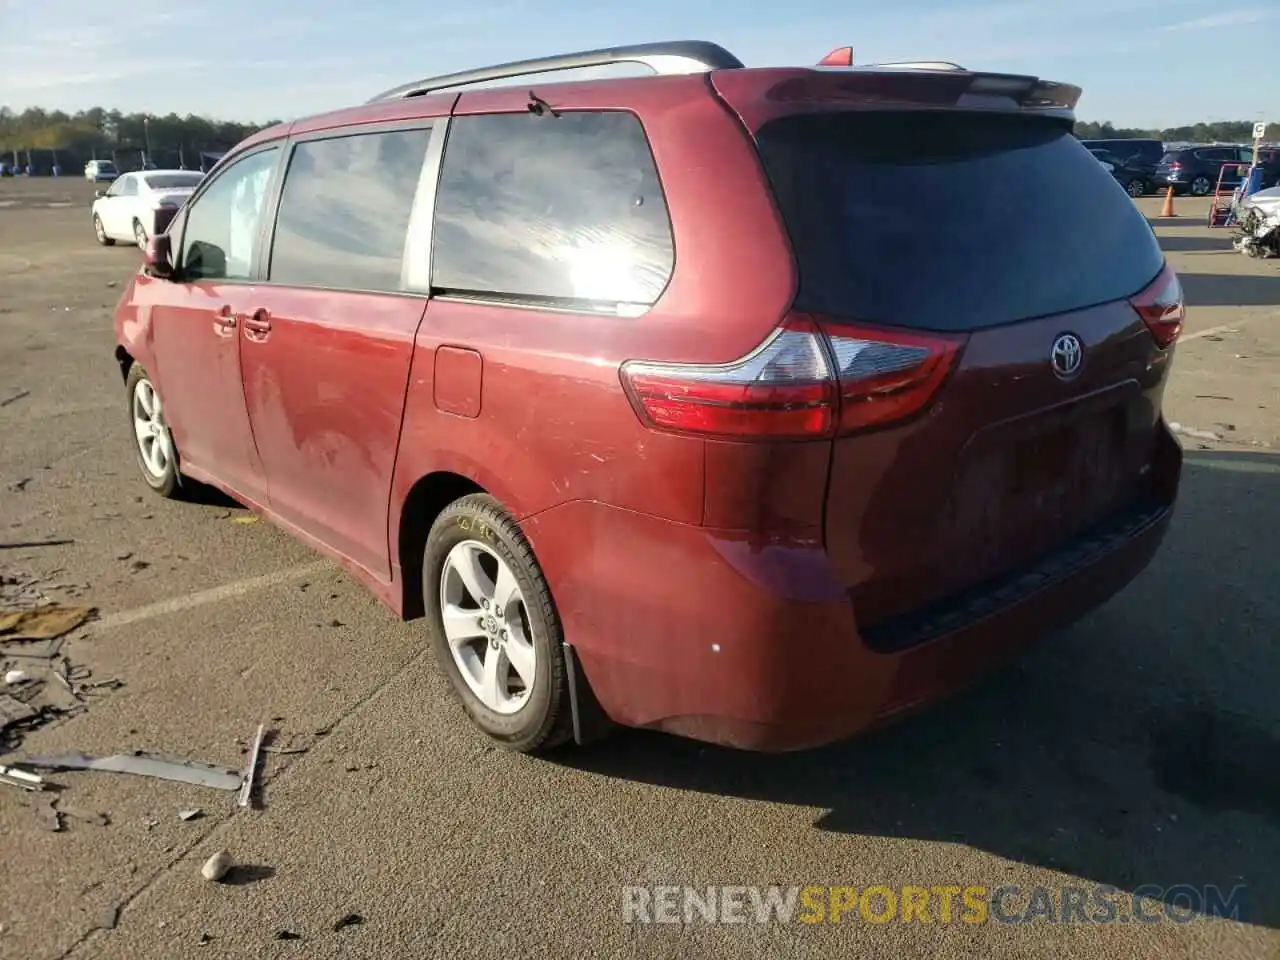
<point>676,56</point>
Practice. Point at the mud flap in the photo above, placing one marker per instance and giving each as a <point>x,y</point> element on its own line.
<point>589,720</point>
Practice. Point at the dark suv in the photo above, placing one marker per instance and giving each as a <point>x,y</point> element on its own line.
<point>707,401</point>
<point>1144,152</point>
<point>1195,170</point>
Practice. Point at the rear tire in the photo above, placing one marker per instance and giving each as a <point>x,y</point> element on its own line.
<point>140,235</point>
<point>1201,186</point>
<point>510,630</point>
<point>1135,188</point>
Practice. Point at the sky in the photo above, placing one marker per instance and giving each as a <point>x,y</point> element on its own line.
<point>1145,63</point>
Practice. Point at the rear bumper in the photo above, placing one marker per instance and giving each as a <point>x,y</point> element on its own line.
<point>756,646</point>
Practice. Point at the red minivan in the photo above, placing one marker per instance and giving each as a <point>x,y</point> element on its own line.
<point>754,405</point>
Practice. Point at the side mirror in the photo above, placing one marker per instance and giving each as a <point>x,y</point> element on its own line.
<point>156,258</point>
<point>99,194</point>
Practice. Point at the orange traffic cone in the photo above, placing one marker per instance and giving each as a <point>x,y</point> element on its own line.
<point>1168,204</point>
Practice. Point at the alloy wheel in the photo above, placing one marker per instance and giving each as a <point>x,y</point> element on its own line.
<point>150,430</point>
<point>487,626</point>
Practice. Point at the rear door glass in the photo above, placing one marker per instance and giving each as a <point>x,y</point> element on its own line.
<point>952,221</point>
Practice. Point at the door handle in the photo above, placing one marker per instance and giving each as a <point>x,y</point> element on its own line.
<point>259,321</point>
<point>225,318</point>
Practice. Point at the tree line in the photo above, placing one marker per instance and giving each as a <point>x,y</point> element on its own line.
<point>41,136</point>
<point>1226,131</point>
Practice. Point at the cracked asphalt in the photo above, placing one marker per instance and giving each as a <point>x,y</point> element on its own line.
<point>1142,747</point>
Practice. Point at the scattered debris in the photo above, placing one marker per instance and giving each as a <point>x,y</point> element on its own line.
<point>350,920</point>
<point>251,767</point>
<point>44,623</point>
<point>124,555</point>
<point>13,710</point>
<point>108,918</point>
<point>1212,396</point>
<point>285,751</point>
<point>217,866</point>
<point>46,808</point>
<point>94,819</point>
<point>195,813</point>
<point>23,544</point>
<point>21,779</point>
<point>15,676</point>
<point>138,566</point>
<point>205,938</point>
<point>287,935</point>
<point>45,650</point>
<point>19,485</point>
<point>15,398</point>
<point>246,519</point>
<point>143,764</point>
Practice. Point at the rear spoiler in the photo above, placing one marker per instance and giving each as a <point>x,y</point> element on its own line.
<point>1026,91</point>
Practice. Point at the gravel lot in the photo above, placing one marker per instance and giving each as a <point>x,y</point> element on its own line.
<point>1141,747</point>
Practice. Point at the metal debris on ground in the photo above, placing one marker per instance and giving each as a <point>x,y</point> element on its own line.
<point>109,917</point>
<point>142,764</point>
<point>251,767</point>
<point>24,544</point>
<point>350,920</point>
<point>43,623</point>
<point>15,676</point>
<point>15,397</point>
<point>246,519</point>
<point>21,779</point>
<point>195,813</point>
<point>217,866</point>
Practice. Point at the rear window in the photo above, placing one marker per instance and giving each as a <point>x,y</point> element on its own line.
<point>952,221</point>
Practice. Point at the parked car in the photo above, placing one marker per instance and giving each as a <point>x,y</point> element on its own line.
<point>1196,170</point>
<point>1147,152</point>
<point>100,170</point>
<point>648,395</point>
<point>139,205</point>
<point>1131,174</point>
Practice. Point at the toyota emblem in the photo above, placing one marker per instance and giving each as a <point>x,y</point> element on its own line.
<point>1067,355</point>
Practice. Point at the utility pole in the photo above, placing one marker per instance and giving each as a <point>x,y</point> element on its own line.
<point>146,139</point>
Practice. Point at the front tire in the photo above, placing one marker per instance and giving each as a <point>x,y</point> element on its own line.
<point>1201,186</point>
<point>494,627</point>
<point>140,235</point>
<point>153,443</point>
<point>100,233</point>
<point>1136,188</point>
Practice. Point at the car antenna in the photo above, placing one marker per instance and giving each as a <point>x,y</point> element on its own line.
<point>539,107</point>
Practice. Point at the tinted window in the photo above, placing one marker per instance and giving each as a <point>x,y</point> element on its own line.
<point>344,211</point>
<point>223,225</point>
<point>553,209</point>
<point>952,222</point>
<point>172,181</point>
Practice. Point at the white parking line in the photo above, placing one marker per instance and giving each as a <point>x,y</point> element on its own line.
<point>227,591</point>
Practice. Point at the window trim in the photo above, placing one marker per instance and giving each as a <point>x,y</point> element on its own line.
<point>604,308</point>
<point>226,164</point>
<point>423,198</point>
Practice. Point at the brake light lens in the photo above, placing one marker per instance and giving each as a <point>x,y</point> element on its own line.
<point>807,381</point>
<point>1161,307</point>
<point>887,376</point>
<point>782,390</point>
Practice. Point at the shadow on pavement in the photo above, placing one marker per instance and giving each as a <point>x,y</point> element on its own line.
<point>1140,747</point>
<point>1230,290</point>
<point>1221,243</point>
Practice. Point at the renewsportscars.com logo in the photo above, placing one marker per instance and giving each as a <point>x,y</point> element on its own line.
<point>1011,904</point>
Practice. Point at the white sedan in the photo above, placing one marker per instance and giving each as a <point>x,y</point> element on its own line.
<point>140,205</point>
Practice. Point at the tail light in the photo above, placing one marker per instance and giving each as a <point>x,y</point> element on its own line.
<point>805,382</point>
<point>1161,307</point>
